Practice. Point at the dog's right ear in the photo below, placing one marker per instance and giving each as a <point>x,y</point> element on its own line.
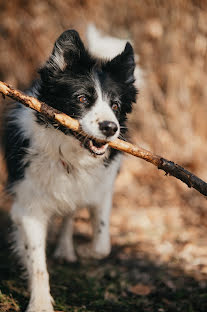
<point>68,50</point>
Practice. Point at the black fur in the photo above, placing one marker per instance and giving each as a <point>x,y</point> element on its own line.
<point>15,149</point>
<point>68,73</point>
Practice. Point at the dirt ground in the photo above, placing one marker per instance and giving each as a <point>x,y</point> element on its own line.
<point>158,225</point>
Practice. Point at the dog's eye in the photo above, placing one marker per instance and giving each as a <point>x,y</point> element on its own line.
<point>82,99</point>
<point>115,106</point>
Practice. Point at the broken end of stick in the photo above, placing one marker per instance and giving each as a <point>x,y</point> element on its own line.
<point>184,175</point>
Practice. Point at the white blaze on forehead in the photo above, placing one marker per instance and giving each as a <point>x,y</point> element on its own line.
<point>99,112</point>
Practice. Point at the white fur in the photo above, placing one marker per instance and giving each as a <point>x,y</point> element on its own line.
<point>65,248</point>
<point>100,111</point>
<point>108,47</point>
<point>103,46</point>
<point>57,59</point>
<point>48,189</point>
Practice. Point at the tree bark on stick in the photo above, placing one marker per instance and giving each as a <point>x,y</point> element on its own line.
<point>161,163</point>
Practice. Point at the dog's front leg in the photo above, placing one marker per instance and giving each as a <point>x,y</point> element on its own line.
<point>100,246</point>
<point>30,244</point>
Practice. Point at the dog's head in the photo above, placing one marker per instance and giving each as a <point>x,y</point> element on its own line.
<point>98,93</point>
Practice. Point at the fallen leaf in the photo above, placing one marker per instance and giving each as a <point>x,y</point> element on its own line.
<point>140,289</point>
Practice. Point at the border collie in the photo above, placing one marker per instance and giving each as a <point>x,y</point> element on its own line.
<point>52,170</point>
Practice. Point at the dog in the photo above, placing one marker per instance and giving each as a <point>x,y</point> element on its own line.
<point>55,171</point>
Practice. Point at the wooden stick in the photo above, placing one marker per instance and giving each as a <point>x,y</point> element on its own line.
<point>161,163</point>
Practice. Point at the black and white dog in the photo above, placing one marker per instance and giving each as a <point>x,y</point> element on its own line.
<point>52,170</point>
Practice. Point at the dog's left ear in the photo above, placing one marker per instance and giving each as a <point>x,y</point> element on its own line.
<point>68,50</point>
<point>123,65</point>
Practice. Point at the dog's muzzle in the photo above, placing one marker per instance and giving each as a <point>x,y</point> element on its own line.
<point>108,128</point>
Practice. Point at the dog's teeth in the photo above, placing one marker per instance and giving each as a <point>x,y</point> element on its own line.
<point>97,150</point>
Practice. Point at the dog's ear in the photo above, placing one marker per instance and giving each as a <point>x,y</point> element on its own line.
<point>68,49</point>
<point>123,65</point>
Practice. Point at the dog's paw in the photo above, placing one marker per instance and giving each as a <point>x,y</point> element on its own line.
<point>62,254</point>
<point>88,251</point>
<point>34,309</point>
<point>37,308</point>
<point>42,304</point>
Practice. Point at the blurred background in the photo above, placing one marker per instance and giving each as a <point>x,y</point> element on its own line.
<point>153,215</point>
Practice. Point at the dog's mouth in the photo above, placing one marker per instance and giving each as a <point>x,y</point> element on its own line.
<point>94,146</point>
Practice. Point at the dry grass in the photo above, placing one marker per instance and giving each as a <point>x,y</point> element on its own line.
<point>153,214</point>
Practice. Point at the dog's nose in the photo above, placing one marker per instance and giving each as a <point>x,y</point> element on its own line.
<point>108,128</point>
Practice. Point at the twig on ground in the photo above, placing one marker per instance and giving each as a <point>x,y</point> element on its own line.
<point>161,163</point>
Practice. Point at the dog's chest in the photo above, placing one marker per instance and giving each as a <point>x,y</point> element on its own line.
<point>62,174</point>
<point>70,182</point>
